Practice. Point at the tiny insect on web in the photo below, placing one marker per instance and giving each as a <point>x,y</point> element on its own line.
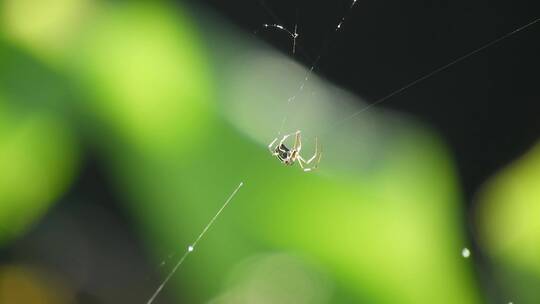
<point>293,35</point>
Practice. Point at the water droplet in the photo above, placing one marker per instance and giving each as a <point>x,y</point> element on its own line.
<point>190,248</point>
<point>466,252</point>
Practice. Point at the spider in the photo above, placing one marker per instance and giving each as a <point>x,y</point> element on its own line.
<point>289,156</point>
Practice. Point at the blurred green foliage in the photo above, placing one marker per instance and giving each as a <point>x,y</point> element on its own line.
<point>38,149</point>
<point>37,157</point>
<point>509,216</point>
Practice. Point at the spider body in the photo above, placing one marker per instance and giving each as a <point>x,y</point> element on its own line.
<point>283,154</point>
<point>290,156</point>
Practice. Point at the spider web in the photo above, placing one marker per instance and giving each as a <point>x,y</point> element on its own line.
<point>193,245</point>
<point>293,34</point>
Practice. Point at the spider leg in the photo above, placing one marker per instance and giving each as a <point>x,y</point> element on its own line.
<point>316,156</point>
<point>300,161</point>
<point>270,146</point>
<point>297,142</point>
<point>283,139</point>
